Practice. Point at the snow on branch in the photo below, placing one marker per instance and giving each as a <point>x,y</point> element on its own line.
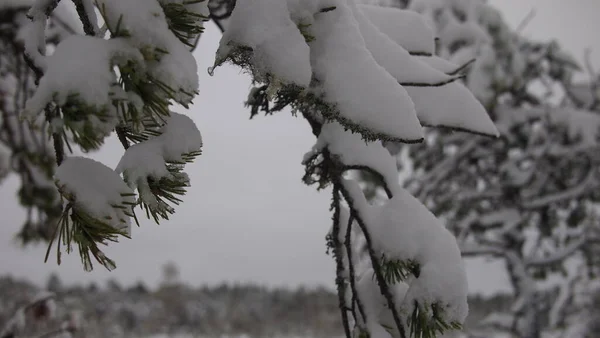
<point>352,79</point>
<point>328,51</point>
<point>121,77</point>
<point>526,197</point>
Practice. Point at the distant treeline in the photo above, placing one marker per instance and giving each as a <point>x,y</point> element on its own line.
<point>113,310</point>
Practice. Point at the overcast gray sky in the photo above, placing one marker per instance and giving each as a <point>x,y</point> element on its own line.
<point>248,217</point>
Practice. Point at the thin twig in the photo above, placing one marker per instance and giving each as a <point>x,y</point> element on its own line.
<point>355,296</point>
<point>383,287</point>
<point>122,138</point>
<point>57,141</point>
<point>339,263</point>
<point>526,20</point>
<point>88,27</point>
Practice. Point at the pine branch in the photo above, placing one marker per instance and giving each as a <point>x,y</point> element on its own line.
<point>46,7</point>
<point>220,10</point>
<point>88,26</point>
<point>330,170</point>
<point>122,136</point>
<point>383,286</point>
<point>57,140</point>
<point>436,84</point>
<point>375,174</point>
<point>339,263</point>
<point>355,296</point>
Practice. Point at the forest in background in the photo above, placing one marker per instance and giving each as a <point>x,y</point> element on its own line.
<point>114,310</point>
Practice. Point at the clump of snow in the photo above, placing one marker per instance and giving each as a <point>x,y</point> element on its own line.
<point>81,69</point>
<point>352,150</point>
<point>179,136</point>
<point>148,159</point>
<point>454,106</point>
<point>347,75</point>
<point>278,46</point>
<point>347,50</point>
<point>440,64</point>
<point>147,29</point>
<point>406,28</point>
<point>404,229</point>
<point>95,189</point>
<point>394,58</point>
<point>141,161</point>
<point>32,35</point>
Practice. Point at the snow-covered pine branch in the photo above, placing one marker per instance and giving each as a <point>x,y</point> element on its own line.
<point>122,76</point>
<point>529,197</point>
<point>359,82</point>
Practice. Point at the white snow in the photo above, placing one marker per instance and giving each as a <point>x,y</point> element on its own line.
<point>141,161</point>
<point>375,305</point>
<point>81,66</point>
<point>352,150</point>
<point>148,159</point>
<point>440,64</point>
<point>394,58</point>
<point>347,75</point>
<point>405,27</point>
<point>147,27</point>
<point>179,136</point>
<point>94,188</point>
<point>278,46</point>
<point>451,105</point>
<point>352,50</point>
<point>33,36</point>
<point>359,202</point>
<point>405,229</point>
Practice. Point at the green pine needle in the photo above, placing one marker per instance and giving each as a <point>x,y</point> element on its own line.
<point>428,322</point>
<point>303,28</point>
<point>81,121</point>
<point>395,271</point>
<point>76,226</point>
<point>167,191</point>
<point>185,24</point>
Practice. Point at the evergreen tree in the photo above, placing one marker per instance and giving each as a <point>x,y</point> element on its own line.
<point>54,284</point>
<point>170,274</point>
